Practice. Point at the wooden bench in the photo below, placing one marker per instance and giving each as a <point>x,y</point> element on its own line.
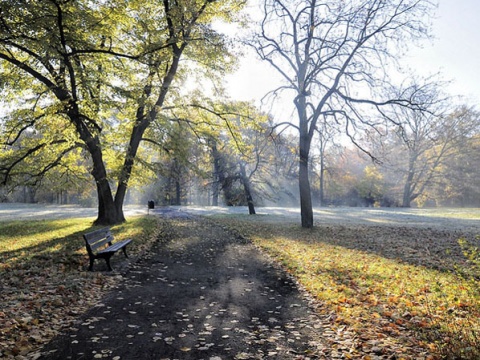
<point>99,246</point>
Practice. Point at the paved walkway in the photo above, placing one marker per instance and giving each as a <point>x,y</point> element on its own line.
<point>204,294</point>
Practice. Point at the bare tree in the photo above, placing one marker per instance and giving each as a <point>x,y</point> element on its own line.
<point>333,57</point>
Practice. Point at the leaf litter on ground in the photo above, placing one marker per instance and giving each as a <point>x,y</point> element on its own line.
<point>378,290</point>
<point>396,288</point>
<point>44,282</point>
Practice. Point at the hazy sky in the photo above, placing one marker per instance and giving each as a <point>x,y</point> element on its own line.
<point>456,48</point>
<point>454,52</point>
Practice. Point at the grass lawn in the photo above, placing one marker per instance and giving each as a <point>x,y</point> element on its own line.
<point>43,278</point>
<point>392,286</point>
<point>408,291</point>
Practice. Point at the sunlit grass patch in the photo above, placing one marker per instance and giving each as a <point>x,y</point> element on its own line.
<point>24,240</point>
<point>452,213</point>
<point>22,236</point>
<point>404,306</point>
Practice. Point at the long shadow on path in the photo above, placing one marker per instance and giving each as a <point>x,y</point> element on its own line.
<point>204,294</point>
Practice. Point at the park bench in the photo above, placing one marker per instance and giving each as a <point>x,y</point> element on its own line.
<point>99,246</point>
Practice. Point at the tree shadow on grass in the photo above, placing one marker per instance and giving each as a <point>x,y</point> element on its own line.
<point>430,248</point>
<point>208,293</point>
<point>67,251</point>
<point>436,249</point>
<point>205,294</point>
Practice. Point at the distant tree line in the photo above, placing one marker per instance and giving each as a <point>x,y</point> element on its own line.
<point>114,102</point>
<point>255,164</point>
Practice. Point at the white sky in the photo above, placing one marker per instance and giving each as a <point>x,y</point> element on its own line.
<point>454,52</point>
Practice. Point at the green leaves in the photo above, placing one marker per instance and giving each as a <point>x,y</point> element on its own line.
<point>99,74</point>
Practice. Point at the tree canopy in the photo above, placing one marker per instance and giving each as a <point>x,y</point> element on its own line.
<point>91,77</point>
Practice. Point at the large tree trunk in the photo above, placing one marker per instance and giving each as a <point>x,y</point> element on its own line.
<point>142,121</point>
<point>306,210</point>
<point>247,190</point>
<point>108,213</point>
<point>406,195</point>
<point>135,139</point>
<point>178,192</point>
<point>215,191</point>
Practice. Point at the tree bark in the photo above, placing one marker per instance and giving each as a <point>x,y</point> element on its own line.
<point>178,185</point>
<point>108,213</point>
<point>247,190</point>
<point>306,210</point>
<point>407,193</point>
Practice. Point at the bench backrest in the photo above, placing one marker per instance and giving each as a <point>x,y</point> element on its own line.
<point>98,238</point>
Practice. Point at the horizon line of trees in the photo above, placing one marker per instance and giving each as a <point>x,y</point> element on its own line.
<point>198,169</point>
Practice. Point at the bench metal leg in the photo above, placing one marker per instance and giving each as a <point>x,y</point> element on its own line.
<point>90,268</point>
<point>107,259</point>
<point>125,251</point>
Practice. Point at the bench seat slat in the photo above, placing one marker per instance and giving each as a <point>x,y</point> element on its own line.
<point>115,247</point>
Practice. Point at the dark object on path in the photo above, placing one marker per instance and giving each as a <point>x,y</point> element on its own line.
<point>97,240</point>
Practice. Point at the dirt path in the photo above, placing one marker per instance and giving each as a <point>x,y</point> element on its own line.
<point>203,294</point>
